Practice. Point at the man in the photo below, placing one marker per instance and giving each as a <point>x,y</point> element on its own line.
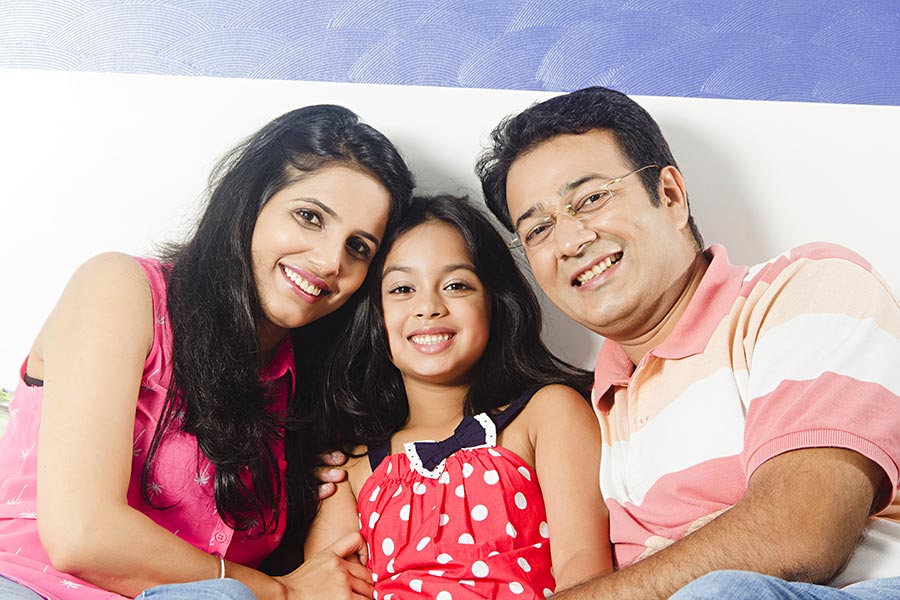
<point>751,417</point>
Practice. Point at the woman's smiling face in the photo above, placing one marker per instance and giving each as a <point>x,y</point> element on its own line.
<point>312,244</point>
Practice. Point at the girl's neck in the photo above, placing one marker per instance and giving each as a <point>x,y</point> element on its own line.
<point>434,407</point>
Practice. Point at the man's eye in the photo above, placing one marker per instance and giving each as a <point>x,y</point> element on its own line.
<point>594,201</point>
<point>538,231</point>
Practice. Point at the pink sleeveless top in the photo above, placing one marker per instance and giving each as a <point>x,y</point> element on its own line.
<point>182,477</point>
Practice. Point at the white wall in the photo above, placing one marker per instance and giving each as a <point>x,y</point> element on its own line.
<point>95,162</point>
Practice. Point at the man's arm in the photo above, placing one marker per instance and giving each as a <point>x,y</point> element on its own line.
<point>802,515</point>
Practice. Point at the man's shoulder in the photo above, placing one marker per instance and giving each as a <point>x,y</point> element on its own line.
<point>812,253</point>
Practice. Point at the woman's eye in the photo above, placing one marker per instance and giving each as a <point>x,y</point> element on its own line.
<point>458,286</point>
<point>308,216</point>
<point>359,248</point>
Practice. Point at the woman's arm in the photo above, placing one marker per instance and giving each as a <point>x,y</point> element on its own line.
<point>91,353</point>
<point>566,439</point>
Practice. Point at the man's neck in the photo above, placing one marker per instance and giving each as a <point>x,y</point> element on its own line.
<point>638,347</point>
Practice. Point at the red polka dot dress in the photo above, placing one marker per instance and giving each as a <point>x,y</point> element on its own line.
<point>456,519</point>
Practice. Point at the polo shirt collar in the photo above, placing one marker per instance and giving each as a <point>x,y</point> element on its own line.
<point>711,302</point>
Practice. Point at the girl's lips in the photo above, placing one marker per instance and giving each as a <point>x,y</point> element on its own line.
<point>431,341</point>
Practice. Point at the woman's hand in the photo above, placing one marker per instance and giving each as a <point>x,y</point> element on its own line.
<point>328,474</point>
<point>336,572</point>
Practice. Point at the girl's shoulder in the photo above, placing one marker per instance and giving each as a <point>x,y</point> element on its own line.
<point>555,404</point>
<point>358,468</point>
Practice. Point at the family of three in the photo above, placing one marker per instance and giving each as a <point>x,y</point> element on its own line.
<point>168,430</point>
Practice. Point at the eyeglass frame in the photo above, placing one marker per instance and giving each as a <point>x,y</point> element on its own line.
<point>516,242</point>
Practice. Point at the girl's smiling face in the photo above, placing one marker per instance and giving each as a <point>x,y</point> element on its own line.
<point>312,245</point>
<point>436,310</point>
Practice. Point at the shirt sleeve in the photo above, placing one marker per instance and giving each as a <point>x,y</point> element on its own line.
<point>822,338</point>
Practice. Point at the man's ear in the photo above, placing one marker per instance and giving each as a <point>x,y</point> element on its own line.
<point>673,195</point>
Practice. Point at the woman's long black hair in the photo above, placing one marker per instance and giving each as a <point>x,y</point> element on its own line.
<point>214,310</point>
<point>365,398</point>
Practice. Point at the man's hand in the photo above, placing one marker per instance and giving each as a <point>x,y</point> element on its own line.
<point>328,473</point>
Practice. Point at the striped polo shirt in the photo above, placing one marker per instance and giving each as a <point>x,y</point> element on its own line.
<point>800,352</point>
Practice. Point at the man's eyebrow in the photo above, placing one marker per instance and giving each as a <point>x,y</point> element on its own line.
<point>563,190</point>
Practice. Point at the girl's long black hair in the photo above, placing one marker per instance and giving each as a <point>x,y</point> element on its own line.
<point>365,399</point>
<point>214,310</point>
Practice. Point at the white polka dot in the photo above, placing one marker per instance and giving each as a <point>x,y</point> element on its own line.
<point>493,553</point>
<point>419,488</point>
<point>404,512</point>
<point>388,596</point>
<point>491,477</point>
<point>524,564</point>
<point>394,577</point>
<point>444,478</point>
<point>374,577</point>
<point>545,530</point>
<point>422,543</point>
<point>521,502</point>
<point>390,566</point>
<point>387,546</point>
<point>445,518</point>
<point>547,593</point>
<point>467,469</point>
<point>443,558</point>
<point>399,490</point>
<point>436,573</point>
<point>466,582</point>
<point>466,538</point>
<point>511,531</point>
<point>460,491</point>
<point>374,592</point>
<point>515,587</point>
<point>480,568</point>
<point>374,495</point>
<point>444,595</point>
<point>538,545</point>
<point>415,585</point>
<point>524,473</point>
<point>373,518</point>
<point>390,468</point>
<point>480,512</point>
<point>493,452</point>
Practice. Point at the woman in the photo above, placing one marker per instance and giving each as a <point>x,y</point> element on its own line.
<point>152,410</point>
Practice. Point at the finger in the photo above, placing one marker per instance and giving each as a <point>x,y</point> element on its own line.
<point>350,543</point>
<point>335,458</point>
<point>330,474</point>
<point>363,588</point>
<point>326,490</point>
<point>359,571</point>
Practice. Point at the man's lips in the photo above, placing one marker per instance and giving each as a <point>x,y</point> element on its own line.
<point>596,269</point>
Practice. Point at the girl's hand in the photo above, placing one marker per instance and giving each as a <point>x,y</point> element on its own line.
<point>336,572</point>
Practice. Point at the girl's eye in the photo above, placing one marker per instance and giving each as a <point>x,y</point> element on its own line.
<point>308,217</point>
<point>400,288</point>
<point>457,286</point>
<point>359,248</point>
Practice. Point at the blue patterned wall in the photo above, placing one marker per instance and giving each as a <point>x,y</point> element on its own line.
<point>840,51</point>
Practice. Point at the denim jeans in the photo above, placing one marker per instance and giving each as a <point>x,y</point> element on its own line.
<point>211,589</point>
<point>744,585</point>
<point>10,590</point>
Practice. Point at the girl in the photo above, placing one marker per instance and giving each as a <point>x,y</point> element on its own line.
<point>447,347</point>
<point>151,413</point>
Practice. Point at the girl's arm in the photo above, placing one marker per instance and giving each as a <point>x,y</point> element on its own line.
<point>566,439</point>
<point>91,353</point>
<point>337,514</point>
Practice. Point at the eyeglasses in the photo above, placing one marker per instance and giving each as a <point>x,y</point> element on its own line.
<point>539,229</point>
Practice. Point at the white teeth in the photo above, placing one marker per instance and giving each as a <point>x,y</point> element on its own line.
<point>599,268</point>
<point>430,339</point>
<point>302,283</point>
